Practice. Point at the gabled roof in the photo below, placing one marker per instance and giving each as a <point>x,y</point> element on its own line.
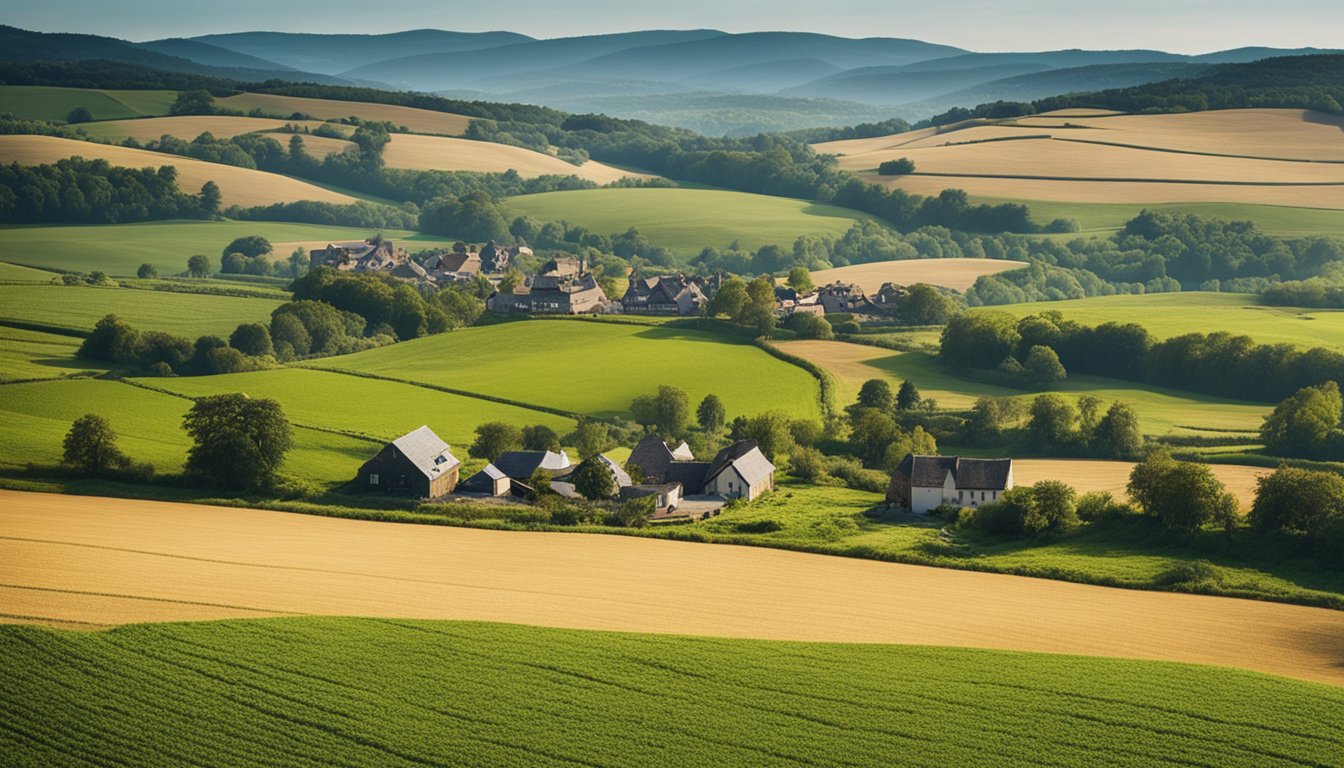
<point>520,465</point>
<point>622,478</point>
<point>968,474</point>
<point>459,262</point>
<point>427,451</point>
<point>683,452</point>
<point>744,456</point>
<point>651,455</point>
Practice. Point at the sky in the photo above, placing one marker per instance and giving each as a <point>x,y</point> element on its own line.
<point>1182,26</point>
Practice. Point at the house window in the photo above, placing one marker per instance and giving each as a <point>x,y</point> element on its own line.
<point>961,495</point>
<point>373,479</point>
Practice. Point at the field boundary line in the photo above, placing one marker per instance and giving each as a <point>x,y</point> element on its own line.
<point>59,330</point>
<point>825,382</point>
<point>1120,180</point>
<point>1193,151</point>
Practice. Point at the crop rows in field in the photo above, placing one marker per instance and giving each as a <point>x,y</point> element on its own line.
<point>366,692</point>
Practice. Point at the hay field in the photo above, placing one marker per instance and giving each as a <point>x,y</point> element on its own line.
<point>188,127</point>
<point>1173,314</point>
<point>687,220</point>
<point>417,120</point>
<point>437,153</point>
<point>240,186</point>
<point>957,274</point>
<point>78,307</point>
<point>113,561</point>
<point>1161,411</point>
<point>593,368</point>
<point>40,102</point>
<point>1112,476</point>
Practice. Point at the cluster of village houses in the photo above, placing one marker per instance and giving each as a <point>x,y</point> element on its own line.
<point>419,464</point>
<point>564,286</point>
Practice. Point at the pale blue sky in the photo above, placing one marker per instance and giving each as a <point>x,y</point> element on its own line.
<point>1185,26</point>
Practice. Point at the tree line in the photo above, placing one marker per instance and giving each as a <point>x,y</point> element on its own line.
<point>79,191</point>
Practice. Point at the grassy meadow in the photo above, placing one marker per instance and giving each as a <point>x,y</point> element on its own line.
<point>593,368</point>
<point>1161,411</point>
<point>40,102</point>
<point>13,273</point>
<point>149,427</point>
<point>26,354</point>
<point>119,249</point>
<point>78,307</point>
<point>437,693</point>
<point>687,220</point>
<point>379,409</point>
<point>238,186</point>
<point>1173,314</point>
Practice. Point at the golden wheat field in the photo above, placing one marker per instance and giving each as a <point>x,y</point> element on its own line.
<point>102,561</point>
<point>188,127</point>
<point>318,146</point>
<point>957,274</point>
<point>1111,476</point>
<point>239,186</point>
<point>1295,196</point>
<point>447,154</point>
<point>418,120</point>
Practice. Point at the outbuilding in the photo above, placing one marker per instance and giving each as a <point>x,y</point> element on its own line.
<point>417,464</point>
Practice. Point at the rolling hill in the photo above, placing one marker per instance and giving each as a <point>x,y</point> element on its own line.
<point>449,154</point>
<point>418,120</point>
<point>333,54</point>
<point>239,186</point>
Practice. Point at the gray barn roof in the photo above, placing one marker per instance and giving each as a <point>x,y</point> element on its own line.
<point>520,465</point>
<point>970,474</point>
<point>427,451</point>
<point>744,456</point>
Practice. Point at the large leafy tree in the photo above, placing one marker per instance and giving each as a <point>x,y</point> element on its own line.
<point>1306,424</point>
<point>494,438</point>
<point>710,414</point>
<point>1298,500</point>
<point>237,441</point>
<point>91,446</point>
<point>594,480</point>
<point>1183,495</point>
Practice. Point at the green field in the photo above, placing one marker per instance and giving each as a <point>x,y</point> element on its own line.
<point>593,368</point>
<point>36,102</point>
<point>28,354</point>
<point>79,307</point>
<point>357,692</point>
<point>13,273</point>
<point>1103,218</point>
<point>1172,314</point>
<point>380,409</point>
<point>37,415</point>
<point>119,249</point>
<point>687,220</point>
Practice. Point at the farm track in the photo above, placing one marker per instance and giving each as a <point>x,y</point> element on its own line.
<point>111,561</point>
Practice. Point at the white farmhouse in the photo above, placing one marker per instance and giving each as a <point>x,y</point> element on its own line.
<point>921,483</point>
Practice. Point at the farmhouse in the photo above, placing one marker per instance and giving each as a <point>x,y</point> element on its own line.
<point>921,483</point>
<point>417,464</point>
<point>739,471</point>
<point>662,296</point>
<point>373,256</point>
<point>564,287</point>
<point>844,297</point>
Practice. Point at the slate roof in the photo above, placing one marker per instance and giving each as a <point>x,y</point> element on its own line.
<point>691,474</point>
<point>483,481</point>
<point>745,456</point>
<point>652,456</point>
<point>968,474</point>
<point>622,478</point>
<point>427,451</point>
<point>520,465</point>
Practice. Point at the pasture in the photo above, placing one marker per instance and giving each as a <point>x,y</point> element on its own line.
<point>109,561</point>
<point>439,153</point>
<point>119,249</point>
<point>40,102</point>
<point>238,186</point>
<point>687,220</point>
<point>1173,314</point>
<point>417,120</point>
<point>149,427</point>
<point>28,354</point>
<point>454,693</point>
<point>336,401</point>
<point>957,274</point>
<point>1161,411</point>
<point>79,307</point>
<point>13,273</point>
<point>188,127</point>
<point>593,368</point>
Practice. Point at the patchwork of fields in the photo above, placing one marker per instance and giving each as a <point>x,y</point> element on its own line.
<point>437,153</point>
<point>188,127</point>
<point>594,368</point>
<point>688,220</point>
<point>238,186</point>
<point>957,274</point>
<point>79,307</point>
<point>440,693</point>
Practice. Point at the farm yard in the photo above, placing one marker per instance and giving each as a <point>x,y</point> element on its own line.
<point>111,561</point>
<point>957,274</point>
<point>319,687</point>
<point>688,220</point>
<point>239,186</point>
<point>593,368</point>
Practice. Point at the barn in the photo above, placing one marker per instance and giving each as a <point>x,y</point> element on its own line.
<point>417,464</point>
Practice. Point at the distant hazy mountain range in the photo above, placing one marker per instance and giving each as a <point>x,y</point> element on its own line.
<point>702,79</point>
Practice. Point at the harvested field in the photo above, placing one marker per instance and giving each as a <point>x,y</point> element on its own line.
<point>188,127</point>
<point>240,186</point>
<point>957,274</point>
<point>437,153</point>
<point>1112,476</point>
<point>319,146</point>
<point>417,120</point>
<point>113,561</point>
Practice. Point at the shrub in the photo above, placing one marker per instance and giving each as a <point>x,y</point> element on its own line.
<point>1191,576</point>
<point>898,167</point>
